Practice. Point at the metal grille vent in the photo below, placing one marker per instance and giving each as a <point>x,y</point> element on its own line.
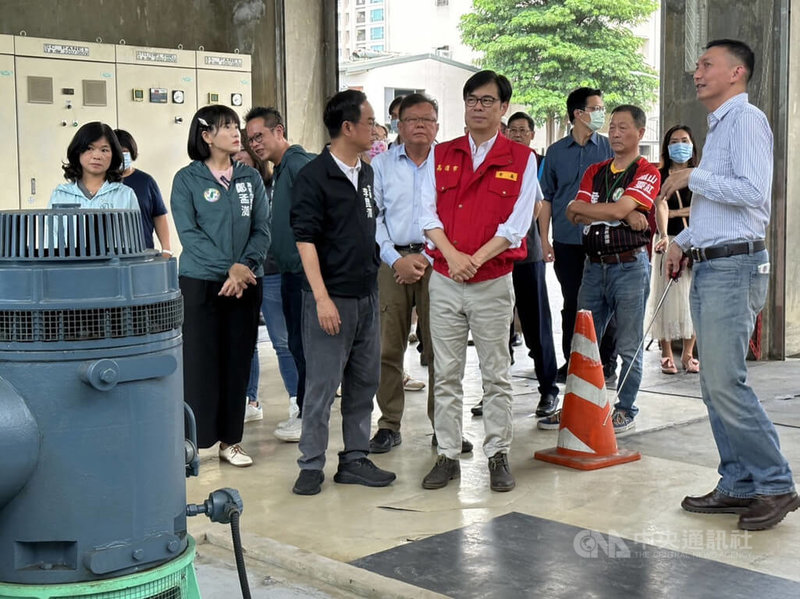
<point>173,586</point>
<point>90,324</point>
<point>70,234</point>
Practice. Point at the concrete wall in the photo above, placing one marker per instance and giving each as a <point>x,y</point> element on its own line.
<point>764,25</point>
<point>310,41</point>
<point>792,283</point>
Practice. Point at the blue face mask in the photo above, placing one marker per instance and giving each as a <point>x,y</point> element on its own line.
<point>393,125</point>
<point>126,161</point>
<point>680,152</point>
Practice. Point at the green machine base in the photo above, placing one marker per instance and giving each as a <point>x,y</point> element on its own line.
<point>174,580</point>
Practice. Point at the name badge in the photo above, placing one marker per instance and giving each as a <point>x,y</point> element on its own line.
<point>507,175</point>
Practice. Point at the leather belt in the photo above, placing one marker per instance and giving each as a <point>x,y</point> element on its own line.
<point>729,249</point>
<point>628,256</point>
<point>414,248</point>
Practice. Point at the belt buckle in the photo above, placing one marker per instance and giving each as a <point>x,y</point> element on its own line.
<point>698,255</point>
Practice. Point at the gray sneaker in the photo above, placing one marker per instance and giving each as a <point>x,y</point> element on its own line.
<point>622,421</point>
<point>444,470</point>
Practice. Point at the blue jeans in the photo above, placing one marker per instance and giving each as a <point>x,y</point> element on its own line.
<point>272,309</point>
<point>727,295</point>
<point>621,289</point>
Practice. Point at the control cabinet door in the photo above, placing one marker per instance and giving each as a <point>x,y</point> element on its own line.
<point>9,173</point>
<point>156,105</point>
<point>54,98</point>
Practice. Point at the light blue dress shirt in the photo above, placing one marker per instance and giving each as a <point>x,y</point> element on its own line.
<point>398,190</point>
<point>732,185</point>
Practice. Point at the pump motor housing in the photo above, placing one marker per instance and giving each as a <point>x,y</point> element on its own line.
<point>91,399</point>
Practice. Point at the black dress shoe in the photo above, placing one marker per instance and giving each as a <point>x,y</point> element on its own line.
<point>384,440</point>
<point>716,503</point>
<point>767,510</point>
<point>547,405</point>
<point>477,409</point>
<point>500,477</point>
<point>466,444</point>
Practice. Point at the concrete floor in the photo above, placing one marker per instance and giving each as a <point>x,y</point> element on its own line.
<point>639,501</point>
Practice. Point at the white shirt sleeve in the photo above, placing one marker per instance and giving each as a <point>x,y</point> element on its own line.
<point>429,217</point>
<point>515,229</point>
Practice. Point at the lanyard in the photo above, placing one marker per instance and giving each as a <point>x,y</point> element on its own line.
<point>617,179</point>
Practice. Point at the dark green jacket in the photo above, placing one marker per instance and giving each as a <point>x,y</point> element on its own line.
<point>283,247</point>
<point>218,227</point>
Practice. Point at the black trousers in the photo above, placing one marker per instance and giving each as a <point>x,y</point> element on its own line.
<point>219,335</point>
<point>533,308</point>
<point>292,298</point>
<point>568,267</point>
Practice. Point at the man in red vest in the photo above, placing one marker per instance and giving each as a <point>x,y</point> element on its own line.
<point>476,214</point>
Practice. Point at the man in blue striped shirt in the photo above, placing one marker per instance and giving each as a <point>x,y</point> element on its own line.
<point>730,210</point>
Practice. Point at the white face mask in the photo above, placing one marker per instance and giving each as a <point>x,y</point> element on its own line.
<point>126,161</point>
<point>596,120</point>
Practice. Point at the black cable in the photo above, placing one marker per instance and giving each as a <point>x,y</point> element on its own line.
<point>238,553</point>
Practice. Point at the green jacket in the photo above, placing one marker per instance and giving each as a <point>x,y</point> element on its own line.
<point>219,227</point>
<point>284,248</point>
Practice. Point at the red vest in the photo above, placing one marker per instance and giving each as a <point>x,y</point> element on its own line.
<point>471,205</point>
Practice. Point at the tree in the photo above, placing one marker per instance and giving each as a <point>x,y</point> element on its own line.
<point>547,48</point>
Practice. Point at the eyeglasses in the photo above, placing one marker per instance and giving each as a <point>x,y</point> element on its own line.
<point>516,131</point>
<point>422,120</point>
<point>594,109</point>
<point>259,137</point>
<point>486,101</point>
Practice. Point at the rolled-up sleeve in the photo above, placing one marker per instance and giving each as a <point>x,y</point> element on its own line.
<point>429,217</point>
<point>516,227</point>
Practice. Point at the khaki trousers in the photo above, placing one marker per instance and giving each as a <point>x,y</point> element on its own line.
<point>396,302</point>
<point>484,308</point>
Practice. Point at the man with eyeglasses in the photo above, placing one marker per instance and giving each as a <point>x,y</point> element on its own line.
<point>266,136</point>
<point>565,162</point>
<point>404,274</point>
<point>530,288</point>
<point>476,213</point>
<point>333,219</point>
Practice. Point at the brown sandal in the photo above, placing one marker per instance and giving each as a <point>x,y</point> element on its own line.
<point>668,366</point>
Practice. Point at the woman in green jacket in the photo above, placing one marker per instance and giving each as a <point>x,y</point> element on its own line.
<point>222,218</point>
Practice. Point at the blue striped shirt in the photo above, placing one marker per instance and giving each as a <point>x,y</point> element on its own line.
<point>732,185</point>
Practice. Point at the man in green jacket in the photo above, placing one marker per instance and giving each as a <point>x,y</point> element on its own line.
<point>266,136</point>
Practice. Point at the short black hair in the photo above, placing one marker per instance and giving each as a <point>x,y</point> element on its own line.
<point>666,161</point>
<point>83,138</point>
<point>639,117</point>
<point>415,99</point>
<point>740,51</point>
<point>482,78</point>
<point>522,116</point>
<point>208,118</point>
<point>344,106</point>
<point>578,98</point>
<point>394,103</point>
<point>272,118</point>
<point>126,141</point>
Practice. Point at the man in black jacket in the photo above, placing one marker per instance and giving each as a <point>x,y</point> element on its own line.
<point>333,220</point>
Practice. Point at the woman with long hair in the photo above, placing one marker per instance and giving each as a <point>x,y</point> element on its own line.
<point>221,215</point>
<point>674,321</point>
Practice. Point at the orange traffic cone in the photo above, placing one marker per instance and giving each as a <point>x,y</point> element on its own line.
<point>586,438</point>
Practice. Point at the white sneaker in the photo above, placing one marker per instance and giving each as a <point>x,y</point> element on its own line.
<point>294,410</point>
<point>235,456</point>
<point>289,430</point>
<point>253,412</point>
<point>412,384</point>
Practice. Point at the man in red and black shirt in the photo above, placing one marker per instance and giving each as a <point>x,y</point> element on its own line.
<point>614,199</point>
